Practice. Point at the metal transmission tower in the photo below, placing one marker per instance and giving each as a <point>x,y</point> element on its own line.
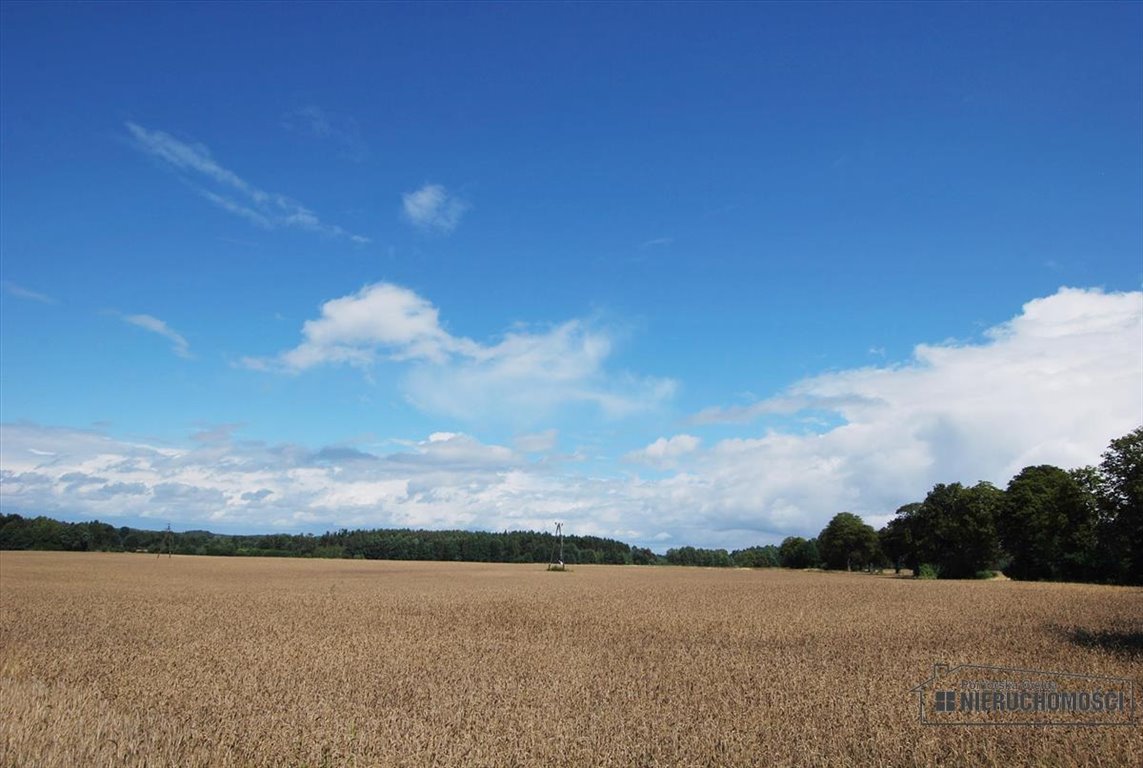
<point>553,563</point>
<point>166,542</point>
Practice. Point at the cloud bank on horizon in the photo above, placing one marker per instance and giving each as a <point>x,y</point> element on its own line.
<point>1052,385</point>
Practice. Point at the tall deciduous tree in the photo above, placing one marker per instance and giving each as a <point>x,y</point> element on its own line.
<point>796,552</point>
<point>1047,524</point>
<point>1121,505</point>
<point>896,538</point>
<point>847,542</point>
<point>955,529</point>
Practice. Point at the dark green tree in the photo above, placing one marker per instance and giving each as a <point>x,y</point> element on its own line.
<point>1120,496</point>
<point>796,552</point>
<point>642,556</point>
<point>708,558</point>
<point>847,542</point>
<point>756,557</point>
<point>1047,525</point>
<point>955,529</point>
<point>896,539</point>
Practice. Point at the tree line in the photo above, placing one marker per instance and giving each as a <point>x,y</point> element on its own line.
<point>1048,524</point>
<point>44,533</point>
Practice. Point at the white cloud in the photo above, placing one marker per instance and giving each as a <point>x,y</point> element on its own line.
<point>381,318</point>
<point>448,480</point>
<point>524,375</point>
<point>529,374</point>
<point>454,449</point>
<point>666,452</point>
<point>188,157</point>
<point>266,209</point>
<point>179,344</point>
<point>246,212</point>
<point>432,208</point>
<point>1053,385</point>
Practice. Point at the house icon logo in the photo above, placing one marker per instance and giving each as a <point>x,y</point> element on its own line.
<point>975,694</point>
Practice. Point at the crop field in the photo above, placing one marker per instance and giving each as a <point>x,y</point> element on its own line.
<point>135,660</point>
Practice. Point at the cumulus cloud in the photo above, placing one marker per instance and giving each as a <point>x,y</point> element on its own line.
<point>432,208</point>
<point>525,374</point>
<point>265,209</point>
<point>529,374</point>
<point>179,344</point>
<point>1053,385</point>
<point>379,319</point>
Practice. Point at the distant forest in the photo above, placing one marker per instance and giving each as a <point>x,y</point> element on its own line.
<point>1049,524</point>
<point>44,533</point>
<point>17,532</point>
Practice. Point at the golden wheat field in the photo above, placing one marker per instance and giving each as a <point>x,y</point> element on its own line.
<point>133,660</point>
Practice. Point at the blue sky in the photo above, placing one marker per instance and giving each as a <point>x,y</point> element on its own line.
<point>681,274</point>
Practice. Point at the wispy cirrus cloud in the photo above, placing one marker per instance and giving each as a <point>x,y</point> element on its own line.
<point>265,209</point>
<point>433,208</point>
<point>20,292</point>
<point>527,373</point>
<point>179,344</point>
